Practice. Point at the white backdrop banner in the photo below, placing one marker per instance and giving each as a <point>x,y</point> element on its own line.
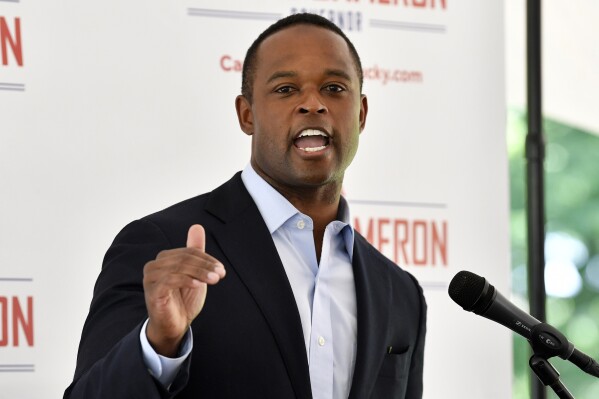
<point>110,111</point>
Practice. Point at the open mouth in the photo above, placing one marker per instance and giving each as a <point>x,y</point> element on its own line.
<point>312,140</point>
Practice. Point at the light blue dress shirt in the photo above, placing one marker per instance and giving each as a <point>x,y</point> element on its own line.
<point>325,293</point>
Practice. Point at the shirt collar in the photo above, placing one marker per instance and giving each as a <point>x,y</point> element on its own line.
<point>276,209</point>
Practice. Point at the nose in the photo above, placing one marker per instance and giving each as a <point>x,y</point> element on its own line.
<point>312,102</point>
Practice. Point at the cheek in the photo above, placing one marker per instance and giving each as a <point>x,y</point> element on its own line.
<point>350,145</point>
<point>270,131</point>
<point>269,151</point>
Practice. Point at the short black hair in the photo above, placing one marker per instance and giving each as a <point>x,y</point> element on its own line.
<point>249,63</point>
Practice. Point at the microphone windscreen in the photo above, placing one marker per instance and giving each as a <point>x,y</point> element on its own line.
<point>466,288</point>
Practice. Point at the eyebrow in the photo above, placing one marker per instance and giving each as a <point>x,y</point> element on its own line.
<point>339,73</point>
<point>291,74</point>
<point>281,74</point>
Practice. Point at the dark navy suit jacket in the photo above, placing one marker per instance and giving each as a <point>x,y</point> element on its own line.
<point>248,340</point>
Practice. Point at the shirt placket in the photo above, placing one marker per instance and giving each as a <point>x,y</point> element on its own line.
<point>321,339</point>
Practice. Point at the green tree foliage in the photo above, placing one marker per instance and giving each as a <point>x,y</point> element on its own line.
<point>572,218</point>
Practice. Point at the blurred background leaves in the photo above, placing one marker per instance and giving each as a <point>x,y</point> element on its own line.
<point>571,245</point>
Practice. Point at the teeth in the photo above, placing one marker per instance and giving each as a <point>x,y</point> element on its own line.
<point>312,132</point>
<point>314,149</point>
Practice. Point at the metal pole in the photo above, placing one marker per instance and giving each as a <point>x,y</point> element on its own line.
<point>535,155</point>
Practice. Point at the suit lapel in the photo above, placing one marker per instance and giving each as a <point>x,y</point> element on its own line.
<point>373,297</point>
<point>247,244</point>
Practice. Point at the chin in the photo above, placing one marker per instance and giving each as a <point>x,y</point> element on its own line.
<point>317,180</point>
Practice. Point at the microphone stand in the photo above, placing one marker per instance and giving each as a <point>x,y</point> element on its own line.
<point>547,342</point>
<point>549,376</point>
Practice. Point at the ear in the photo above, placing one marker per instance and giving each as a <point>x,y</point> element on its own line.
<point>363,111</point>
<point>244,115</point>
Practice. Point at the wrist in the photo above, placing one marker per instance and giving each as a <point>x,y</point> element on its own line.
<point>164,344</point>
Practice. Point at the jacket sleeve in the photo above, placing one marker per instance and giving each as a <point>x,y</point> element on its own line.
<point>415,380</point>
<point>110,362</point>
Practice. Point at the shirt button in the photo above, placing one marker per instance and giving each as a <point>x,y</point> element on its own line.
<point>321,341</point>
<point>301,224</point>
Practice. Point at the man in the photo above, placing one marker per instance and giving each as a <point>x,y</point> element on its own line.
<point>308,308</point>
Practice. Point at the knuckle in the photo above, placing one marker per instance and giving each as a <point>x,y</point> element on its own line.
<point>162,254</point>
<point>185,257</point>
<point>148,267</point>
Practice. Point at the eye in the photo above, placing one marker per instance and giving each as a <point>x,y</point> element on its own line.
<point>284,89</point>
<point>334,88</point>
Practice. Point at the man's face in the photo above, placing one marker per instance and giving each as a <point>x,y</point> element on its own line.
<point>307,111</point>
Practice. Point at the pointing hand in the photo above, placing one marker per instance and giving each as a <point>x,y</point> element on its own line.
<point>175,286</point>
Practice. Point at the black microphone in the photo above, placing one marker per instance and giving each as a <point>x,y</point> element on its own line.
<point>475,294</point>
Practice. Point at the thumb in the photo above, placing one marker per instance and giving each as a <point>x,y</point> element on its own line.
<point>196,237</point>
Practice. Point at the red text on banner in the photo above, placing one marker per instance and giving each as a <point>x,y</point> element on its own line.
<point>14,316</point>
<point>10,39</point>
